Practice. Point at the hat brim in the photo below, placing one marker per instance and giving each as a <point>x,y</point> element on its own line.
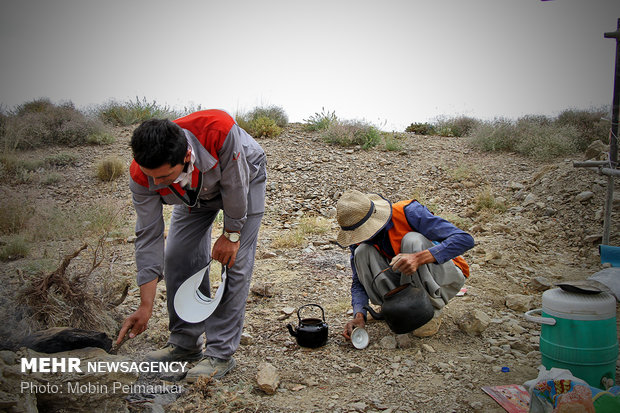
<point>378,220</point>
<point>193,306</point>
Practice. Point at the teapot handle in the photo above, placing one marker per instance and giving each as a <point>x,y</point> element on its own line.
<point>309,305</point>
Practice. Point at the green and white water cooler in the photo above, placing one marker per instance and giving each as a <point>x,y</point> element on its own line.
<point>578,333</point>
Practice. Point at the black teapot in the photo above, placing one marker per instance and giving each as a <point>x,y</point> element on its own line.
<point>404,309</point>
<point>311,332</point>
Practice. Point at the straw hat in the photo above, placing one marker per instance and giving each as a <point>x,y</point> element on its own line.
<point>361,216</point>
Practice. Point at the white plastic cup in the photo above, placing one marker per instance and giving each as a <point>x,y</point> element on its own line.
<point>359,338</point>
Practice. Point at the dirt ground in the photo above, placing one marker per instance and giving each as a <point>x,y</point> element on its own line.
<point>544,233</point>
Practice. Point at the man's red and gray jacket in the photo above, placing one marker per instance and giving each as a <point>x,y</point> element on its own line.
<point>227,159</point>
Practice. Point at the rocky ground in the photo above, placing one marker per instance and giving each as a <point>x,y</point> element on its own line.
<point>548,231</point>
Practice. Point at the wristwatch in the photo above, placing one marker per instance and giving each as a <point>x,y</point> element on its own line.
<point>232,236</point>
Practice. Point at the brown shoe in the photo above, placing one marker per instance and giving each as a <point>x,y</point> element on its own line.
<point>210,367</point>
<point>173,353</point>
<point>429,329</point>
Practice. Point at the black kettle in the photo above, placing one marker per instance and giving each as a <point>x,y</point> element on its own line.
<point>404,309</point>
<point>311,332</point>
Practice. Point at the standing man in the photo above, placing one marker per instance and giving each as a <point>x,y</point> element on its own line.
<point>419,247</point>
<point>202,163</point>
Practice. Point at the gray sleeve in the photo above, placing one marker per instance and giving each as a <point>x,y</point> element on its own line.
<point>149,246</point>
<point>235,180</point>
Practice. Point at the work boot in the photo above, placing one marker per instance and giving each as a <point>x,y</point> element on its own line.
<point>173,353</point>
<point>210,367</point>
<point>429,329</point>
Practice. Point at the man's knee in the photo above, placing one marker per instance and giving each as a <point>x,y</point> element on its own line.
<point>414,242</point>
<point>362,254</point>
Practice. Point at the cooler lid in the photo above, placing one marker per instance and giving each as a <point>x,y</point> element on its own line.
<point>563,304</point>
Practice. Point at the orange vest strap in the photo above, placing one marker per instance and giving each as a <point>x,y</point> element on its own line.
<point>401,228</point>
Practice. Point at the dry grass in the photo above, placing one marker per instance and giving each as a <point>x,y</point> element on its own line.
<point>306,225</point>
<point>463,173</point>
<point>15,212</point>
<point>207,394</point>
<point>110,168</point>
<point>292,238</point>
<point>485,200</point>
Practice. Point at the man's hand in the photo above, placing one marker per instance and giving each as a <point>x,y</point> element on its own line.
<point>358,321</point>
<point>225,251</point>
<point>136,323</point>
<point>408,264</point>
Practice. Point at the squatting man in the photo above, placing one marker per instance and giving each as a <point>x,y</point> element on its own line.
<point>419,247</point>
<point>202,163</point>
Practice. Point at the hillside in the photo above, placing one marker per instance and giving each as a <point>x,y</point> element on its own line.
<point>529,228</point>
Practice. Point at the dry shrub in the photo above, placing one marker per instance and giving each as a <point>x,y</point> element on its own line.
<point>110,168</point>
<point>16,247</point>
<point>15,212</point>
<point>352,133</point>
<point>67,297</point>
<point>40,123</point>
<point>209,395</point>
<point>485,200</point>
<point>132,112</point>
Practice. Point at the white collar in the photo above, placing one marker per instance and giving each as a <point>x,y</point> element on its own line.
<point>185,178</point>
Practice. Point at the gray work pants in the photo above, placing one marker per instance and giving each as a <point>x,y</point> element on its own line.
<point>188,249</point>
<point>441,281</point>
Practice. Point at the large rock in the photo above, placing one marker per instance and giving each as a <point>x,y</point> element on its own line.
<point>519,302</point>
<point>474,322</point>
<point>596,150</point>
<point>267,378</point>
<point>92,391</point>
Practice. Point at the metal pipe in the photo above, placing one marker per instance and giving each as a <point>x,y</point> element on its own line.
<point>609,172</point>
<point>613,138</point>
<point>590,164</point>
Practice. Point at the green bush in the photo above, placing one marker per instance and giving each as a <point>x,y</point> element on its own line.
<point>392,142</point>
<point>132,112</point>
<point>62,159</point>
<point>545,142</point>
<point>266,121</point>
<point>100,138</point>
<point>264,127</point>
<point>320,121</point>
<point>276,113</point>
<point>457,126</point>
<point>351,133</point>
<point>529,136</point>
<point>421,129</point>
<point>492,136</point>
<point>40,123</point>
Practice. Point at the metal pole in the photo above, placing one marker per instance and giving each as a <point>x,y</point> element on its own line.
<point>613,144</point>
<point>613,141</point>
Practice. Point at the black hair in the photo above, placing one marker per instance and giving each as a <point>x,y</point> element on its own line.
<point>157,142</point>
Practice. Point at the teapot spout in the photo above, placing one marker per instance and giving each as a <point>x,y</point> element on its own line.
<point>373,313</point>
<point>290,329</point>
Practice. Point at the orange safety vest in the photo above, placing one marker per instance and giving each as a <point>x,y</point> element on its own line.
<point>401,228</point>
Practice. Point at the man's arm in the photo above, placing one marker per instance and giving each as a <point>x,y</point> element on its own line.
<point>359,298</point>
<point>137,322</point>
<point>453,241</point>
<point>149,252</point>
